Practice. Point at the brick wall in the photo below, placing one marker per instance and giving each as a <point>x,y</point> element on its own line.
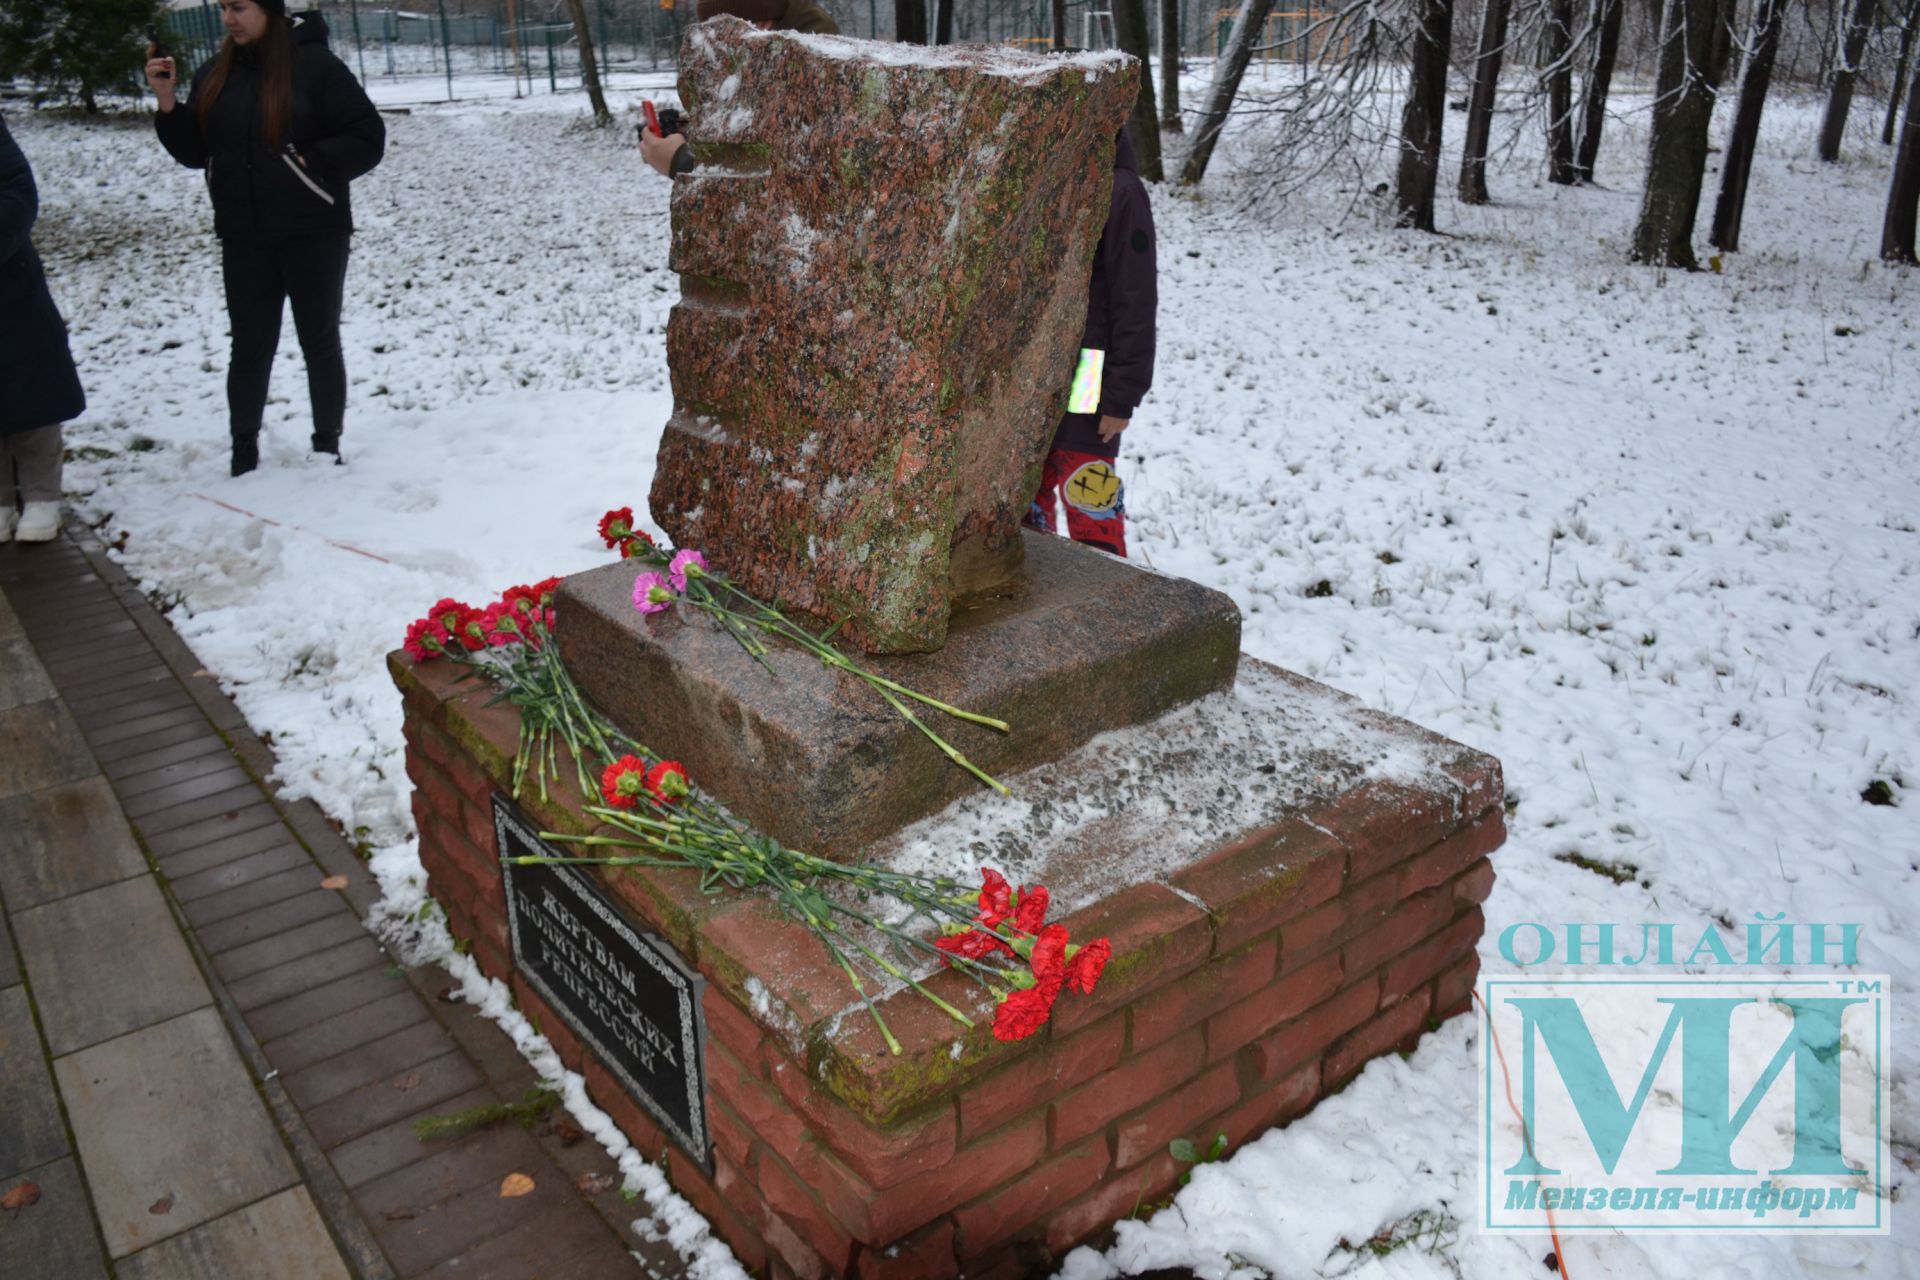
<point>1251,985</point>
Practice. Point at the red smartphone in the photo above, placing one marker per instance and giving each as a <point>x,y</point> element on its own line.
<point>653,119</point>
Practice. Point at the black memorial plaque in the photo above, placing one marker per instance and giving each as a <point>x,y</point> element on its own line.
<point>622,990</point>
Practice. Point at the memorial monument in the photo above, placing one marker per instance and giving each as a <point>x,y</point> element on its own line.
<point>884,260</point>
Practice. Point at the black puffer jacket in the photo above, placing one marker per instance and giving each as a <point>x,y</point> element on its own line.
<point>38,385</point>
<point>261,195</point>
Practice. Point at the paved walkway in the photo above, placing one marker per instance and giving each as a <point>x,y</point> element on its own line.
<point>208,1067</point>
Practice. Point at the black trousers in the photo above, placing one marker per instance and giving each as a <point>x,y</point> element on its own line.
<point>261,278</point>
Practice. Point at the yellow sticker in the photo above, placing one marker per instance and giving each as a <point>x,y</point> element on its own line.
<point>1093,488</point>
<point>1085,396</point>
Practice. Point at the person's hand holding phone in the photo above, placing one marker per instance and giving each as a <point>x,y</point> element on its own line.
<point>656,150</point>
<point>160,70</point>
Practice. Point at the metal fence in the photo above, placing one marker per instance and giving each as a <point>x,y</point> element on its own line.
<point>532,43</point>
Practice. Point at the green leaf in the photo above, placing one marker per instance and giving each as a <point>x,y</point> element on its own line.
<point>1219,1147</point>
<point>1181,1149</point>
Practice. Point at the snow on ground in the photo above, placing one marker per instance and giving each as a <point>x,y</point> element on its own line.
<point>1648,538</point>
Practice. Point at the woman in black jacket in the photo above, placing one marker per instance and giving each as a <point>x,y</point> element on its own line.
<point>38,386</point>
<point>281,127</point>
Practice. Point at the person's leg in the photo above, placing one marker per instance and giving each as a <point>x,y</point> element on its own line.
<point>255,298</point>
<point>1040,513</point>
<point>37,458</point>
<point>315,270</point>
<point>1096,502</point>
<point>9,509</point>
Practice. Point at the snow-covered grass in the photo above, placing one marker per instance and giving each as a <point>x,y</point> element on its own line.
<point>1648,538</point>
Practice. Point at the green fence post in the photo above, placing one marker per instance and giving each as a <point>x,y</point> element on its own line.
<point>359,48</point>
<point>553,80</point>
<point>446,48</point>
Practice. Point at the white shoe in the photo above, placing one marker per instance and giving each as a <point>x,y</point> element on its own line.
<point>8,519</point>
<point>40,522</point>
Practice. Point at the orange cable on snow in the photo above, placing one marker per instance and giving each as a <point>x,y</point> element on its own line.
<point>1506,1083</point>
<point>251,515</point>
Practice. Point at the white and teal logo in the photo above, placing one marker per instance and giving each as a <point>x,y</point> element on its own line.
<point>1687,1104</point>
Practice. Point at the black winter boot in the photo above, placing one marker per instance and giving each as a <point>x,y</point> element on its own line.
<point>246,455</point>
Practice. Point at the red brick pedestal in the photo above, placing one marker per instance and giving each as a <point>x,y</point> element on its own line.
<point>1244,986</point>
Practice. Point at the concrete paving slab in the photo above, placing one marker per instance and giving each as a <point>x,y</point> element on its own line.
<point>365,1109</point>
<point>241,871</point>
<point>64,840</point>
<point>227,849</point>
<point>9,620</point>
<point>394,1146</point>
<point>305,972</point>
<point>54,1237</point>
<point>281,1236</point>
<point>170,1130</point>
<point>264,923</point>
<point>31,1133</point>
<point>255,897</point>
<point>107,962</point>
<point>202,753</point>
<point>328,931</point>
<point>22,678</point>
<point>352,1029</point>
<point>40,746</point>
<point>324,1000</point>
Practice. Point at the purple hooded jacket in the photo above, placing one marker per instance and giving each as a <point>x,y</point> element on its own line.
<point>1121,299</point>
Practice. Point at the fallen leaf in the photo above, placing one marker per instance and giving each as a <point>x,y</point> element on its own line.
<point>450,995</point>
<point>515,1184</point>
<point>407,1081</point>
<point>21,1196</point>
<point>398,1215</point>
<point>334,882</point>
<point>568,1132</point>
<point>592,1184</point>
<point>161,1206</point>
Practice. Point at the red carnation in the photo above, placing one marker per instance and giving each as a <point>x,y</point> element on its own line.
<point>1031,915</point>
<point>472,629</point>
<point>996,898</point>
<point>425,639</point>
<point>667,781</point>
<point>615,525</point>
<point>1087,964</point>
<point>449,613</point>
<point>615,787</point>
<point>521,600</point>
<point>1025,1012</point>
<point>543,590</point>
<point>974,944</point>
<point>634,543</point>
<point>1049,958</point>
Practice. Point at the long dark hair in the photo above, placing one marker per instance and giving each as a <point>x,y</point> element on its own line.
<point>276,80</point>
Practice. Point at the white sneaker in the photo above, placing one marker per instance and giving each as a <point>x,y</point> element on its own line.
<point>40,522</point>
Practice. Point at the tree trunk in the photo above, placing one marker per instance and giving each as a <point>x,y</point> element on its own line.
<point>1130,33</point>
<point>1840,99</point>
<point>1424,120</point>
<point>1677,153</point>
<point>1593,108</point>
<point>1768,18</point>
<point>1170,66</point>
<point>1900,72</point>
<point>1722,55</point>
<point>1059,24</point>
<point>1559,74</point>
<point>589,71</point>
<point>943,21</point>
<point>1227,72</point>
<point>910,21</point>
<point>1486,79</point>
<point>1903,201</point>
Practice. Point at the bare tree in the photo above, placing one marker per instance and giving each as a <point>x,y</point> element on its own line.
<point>589,69</point>
<point>1593,104</point>
<point>1228,70</point>
<point>1840,96</point>
<point>1755,79</point>
<point>1903,201</point>
<point>1900,71</point>
<point>910,21</point>
<point>1170,66</point>
<point>1424,120</point>
<point>1059,24</point>
<point>1486,80</point>
<point>1677,152</point>
<point>1722,55</point>
<point>1130,33</point>
<point>1557,50</point>
<point>943,21</point>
